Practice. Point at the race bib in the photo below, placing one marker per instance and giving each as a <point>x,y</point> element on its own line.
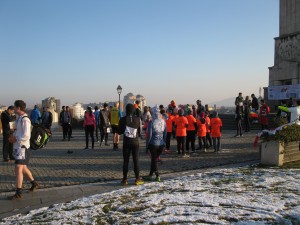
<point>20,153</point>
<point>130,132</point>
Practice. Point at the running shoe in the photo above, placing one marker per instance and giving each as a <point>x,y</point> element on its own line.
<point>16,196</point>
<point>147,178</point>
<point>124,182</point>
<point>34,186</point>
<point>139,181</point>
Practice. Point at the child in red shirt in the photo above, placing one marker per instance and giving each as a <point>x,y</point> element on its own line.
<point>216,129</point>
<point>201,124</point>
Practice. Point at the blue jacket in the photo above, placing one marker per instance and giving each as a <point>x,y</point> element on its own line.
<point>157,129</point>
<point>35,116</point>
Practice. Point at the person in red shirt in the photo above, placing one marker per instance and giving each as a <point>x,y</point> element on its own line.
<point>181,123</point>
<point>216,129</point>
<point>208,135</point>
<point>201,124</point>
<point>263,115</point>
<point>169,123</point>
<point>191,131</point>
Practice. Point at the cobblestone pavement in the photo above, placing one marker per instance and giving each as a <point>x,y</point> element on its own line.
<point>53,166</point>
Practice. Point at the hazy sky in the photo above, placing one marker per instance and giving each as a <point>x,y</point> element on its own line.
<point>80,51</point>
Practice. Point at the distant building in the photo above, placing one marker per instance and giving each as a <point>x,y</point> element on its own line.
<point>54,107</point>
<point>77,110</point>
<point>130,98</point>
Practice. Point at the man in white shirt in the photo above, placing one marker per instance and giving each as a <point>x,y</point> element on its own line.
<point>21,145</point>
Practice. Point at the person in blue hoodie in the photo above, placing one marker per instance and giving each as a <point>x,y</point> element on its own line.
<point>156,140</point>
<point>35,116</point>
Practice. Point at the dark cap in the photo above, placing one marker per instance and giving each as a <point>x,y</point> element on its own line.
<point>11,107</point>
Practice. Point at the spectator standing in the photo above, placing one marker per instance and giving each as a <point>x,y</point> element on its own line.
<point>65,122</point>
<point>70,129</point>
<point>146,114</point>
<point>239,100</point>
<point>89,124</point>
<point>21,145</point>
<point>47,118</point>
<point>254,103</point>
<point>96,114</point>
<point>115,116</point>
<point>263,115</point>
<point>156,140</point>
<point>35,116</point>
<point>247,110</point>
<point>181,123</point>
<point>200,107</point>
<point>216,131</point>
<point>8,129</point>
<point>238,119</point>
<point>104,124</point>
<point>129,126</point>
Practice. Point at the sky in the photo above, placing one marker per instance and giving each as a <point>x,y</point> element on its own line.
<point>80,51</point>
<point>239,196</point>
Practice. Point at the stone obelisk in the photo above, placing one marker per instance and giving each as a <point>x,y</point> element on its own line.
<point>286,69</point>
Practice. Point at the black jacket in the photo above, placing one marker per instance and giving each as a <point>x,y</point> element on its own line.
<point>129,125</point>
<point>5,119</point>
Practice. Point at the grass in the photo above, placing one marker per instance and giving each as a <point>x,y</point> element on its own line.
<point>291,165</point>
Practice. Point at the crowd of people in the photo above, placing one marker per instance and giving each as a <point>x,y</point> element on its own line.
<point>158,124</point>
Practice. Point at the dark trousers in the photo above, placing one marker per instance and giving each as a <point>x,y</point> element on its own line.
<point>202,142</point>
<point>104,134</point>
<point>247,123</point>
<point>7,148</point>
<point>168,140</point>
<point>128,148</point>
<point>238,127</point>
<point>217,143</point>
<point>155,153</point>
<point>97,133</point>
<point>208,140</point>
<point>181,144</point>
<point>89,131</point>
<point>190,138</point>
<point>66,131</point>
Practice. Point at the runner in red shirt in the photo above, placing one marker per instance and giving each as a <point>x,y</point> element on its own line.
<point>191,131</point>
<point>181,123</point>
<point>216,129</point>
<point>201,123</point>
<point>170,125</point>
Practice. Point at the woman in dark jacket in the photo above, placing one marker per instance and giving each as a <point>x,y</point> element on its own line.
<point>129,125</point>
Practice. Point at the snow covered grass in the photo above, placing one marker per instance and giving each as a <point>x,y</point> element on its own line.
<point>246,195</point>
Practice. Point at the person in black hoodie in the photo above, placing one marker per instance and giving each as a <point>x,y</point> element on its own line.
<point>129,125</point>
<point>7,119</point>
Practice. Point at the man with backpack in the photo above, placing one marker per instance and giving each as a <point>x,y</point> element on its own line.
<point>21,144</point>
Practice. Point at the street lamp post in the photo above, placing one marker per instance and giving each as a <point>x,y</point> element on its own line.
<point>119,90</point>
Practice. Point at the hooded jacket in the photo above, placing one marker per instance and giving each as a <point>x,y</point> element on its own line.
<point>129,125</point>
<point>157,129</point>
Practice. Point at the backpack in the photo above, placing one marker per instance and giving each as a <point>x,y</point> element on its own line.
<point>39,136</point>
